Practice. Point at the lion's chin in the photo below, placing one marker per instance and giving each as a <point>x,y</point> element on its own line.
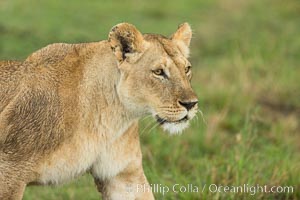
<point>175,128</point>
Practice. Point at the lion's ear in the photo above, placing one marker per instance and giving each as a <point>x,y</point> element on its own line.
<point>125,40</point>
<point>182,38</point>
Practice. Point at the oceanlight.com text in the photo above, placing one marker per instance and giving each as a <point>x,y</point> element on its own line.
<point>251,189</point>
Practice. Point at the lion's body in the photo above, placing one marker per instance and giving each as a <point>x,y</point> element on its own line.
<point>64,112</point>
<point>49,97</point>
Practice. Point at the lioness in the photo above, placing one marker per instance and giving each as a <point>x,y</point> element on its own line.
<point>69,109</point>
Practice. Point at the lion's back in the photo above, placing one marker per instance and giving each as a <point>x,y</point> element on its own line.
<point>46,68</point>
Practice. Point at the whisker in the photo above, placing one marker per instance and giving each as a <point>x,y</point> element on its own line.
<point>155,125</point>
<point>202,116</point>
<point>150,124</point>
<point>197,119</point>
<point>144,118</point>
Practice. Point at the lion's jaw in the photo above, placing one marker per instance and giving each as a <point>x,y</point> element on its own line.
<point>176,126</point>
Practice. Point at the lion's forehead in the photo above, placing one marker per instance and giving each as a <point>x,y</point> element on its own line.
<point>165,44</point>
<point>175,63</point>
<point>173,56</point>
<point>163,56</point>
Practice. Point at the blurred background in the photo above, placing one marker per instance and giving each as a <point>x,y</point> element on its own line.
<point>245,56</point>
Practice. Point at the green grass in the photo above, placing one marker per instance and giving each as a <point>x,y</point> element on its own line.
<point>246,57</point>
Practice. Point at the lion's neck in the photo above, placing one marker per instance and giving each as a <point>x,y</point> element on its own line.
<point>103,111</point>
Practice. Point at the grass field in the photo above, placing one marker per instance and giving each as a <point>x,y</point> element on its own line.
<point>246,65</point>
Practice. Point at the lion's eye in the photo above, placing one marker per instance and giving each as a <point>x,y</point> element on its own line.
<point>188,69</point>
<point>159,72</point>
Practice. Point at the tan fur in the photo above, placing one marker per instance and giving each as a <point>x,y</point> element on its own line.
<point>69,109</point>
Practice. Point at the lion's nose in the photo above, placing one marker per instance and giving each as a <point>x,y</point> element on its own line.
<point>188,105</point>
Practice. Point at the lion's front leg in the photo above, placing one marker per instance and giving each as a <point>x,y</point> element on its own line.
<point>125,160</point>
<point>11,190</point>
<point>130,184</point>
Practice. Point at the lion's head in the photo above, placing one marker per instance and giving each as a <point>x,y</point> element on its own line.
<point>155,74</point>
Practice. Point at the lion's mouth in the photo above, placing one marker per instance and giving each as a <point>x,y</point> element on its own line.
<point>162,121</point>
